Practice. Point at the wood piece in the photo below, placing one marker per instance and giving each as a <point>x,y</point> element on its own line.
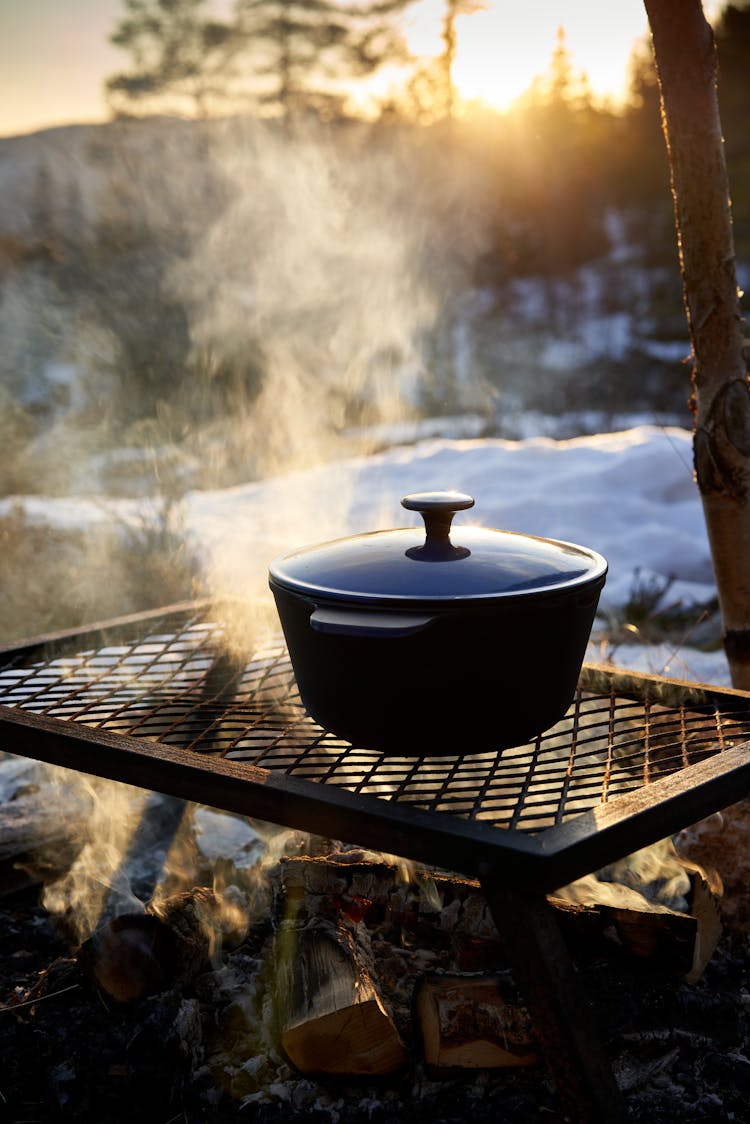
<point>469,1022</point>
<point>202,922</point>
<point>722,843</point>
<point>683,942</point>
<point>413,900</point>
<point>332,1019</point>
<point>452,912</point>
<point>647,931</point>
<point>130,957</point>
<point>39,812</point>
<point>168,945</point>
<point>705,905</point>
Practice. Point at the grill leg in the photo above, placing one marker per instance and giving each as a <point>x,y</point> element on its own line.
<point>557,1002</point>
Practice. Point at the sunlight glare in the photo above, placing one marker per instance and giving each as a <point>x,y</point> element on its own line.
<point>502,48</point>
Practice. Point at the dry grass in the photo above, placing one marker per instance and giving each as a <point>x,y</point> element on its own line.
<point>52,579</point>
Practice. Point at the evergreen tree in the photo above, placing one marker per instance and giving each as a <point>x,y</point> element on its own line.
<point>295,45</point>
<point>732,34</point>
<point>181,57</point>
<point>648,181</point>
<point>283,55</point>
<point>643,174</point>
<point>453,9</point>
<point>558,180</point>
<point>305,51</point>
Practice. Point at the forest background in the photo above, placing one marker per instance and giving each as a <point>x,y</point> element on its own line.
<point>243,273</point>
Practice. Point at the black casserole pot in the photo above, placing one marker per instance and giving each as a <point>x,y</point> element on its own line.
<point>414,644</point>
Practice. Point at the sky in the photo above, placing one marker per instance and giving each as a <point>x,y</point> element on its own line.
<point>55,55</point>
<point>503,47</point>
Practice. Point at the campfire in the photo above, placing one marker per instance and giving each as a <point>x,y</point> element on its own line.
<point>281,971</point>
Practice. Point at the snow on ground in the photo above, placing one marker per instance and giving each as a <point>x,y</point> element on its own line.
<point>629,495</point>
<point>673,660</point>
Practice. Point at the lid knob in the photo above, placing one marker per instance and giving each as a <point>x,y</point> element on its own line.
<point>437,509</point>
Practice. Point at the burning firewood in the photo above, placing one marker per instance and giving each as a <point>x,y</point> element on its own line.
<point>472,1022</point>
<point>39,824</point>
<point>131,956</point>
<point>452,912</point>
<point>425,903</point>
<point>168,945</point>
<point>332,1019</point>
<point>648,929</point>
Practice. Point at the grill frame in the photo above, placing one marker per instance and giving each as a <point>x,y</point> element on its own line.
<point>515,867</point>
<point>262,757</point>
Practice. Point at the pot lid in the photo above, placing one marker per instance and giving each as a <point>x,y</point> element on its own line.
<point>436,564</point>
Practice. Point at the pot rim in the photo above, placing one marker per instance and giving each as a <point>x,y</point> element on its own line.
<point>319,594</point>
<point>399,568</point>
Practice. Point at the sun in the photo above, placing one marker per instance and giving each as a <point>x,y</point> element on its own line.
<point>503,47</point>
<point>491,69</point>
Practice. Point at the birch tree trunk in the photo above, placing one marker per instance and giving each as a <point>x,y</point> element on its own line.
<point>686,63</point>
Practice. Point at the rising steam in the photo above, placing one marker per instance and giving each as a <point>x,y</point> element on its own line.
<point>318,263</point>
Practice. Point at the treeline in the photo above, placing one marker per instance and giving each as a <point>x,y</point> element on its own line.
<point>233,265</point>
<point>557,149</point>
<point>261,56</point>
<point>562,163</point>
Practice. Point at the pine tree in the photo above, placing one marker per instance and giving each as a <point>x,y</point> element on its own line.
<point>182,58</point>
<point>305,52</point>
<point>559,181</point>
<point>295,44</point>
<point>453,9</point>
<point>283,55</point>
<point>732,34</point>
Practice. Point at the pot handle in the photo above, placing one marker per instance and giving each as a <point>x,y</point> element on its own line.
<point>366,623</point>
<point>437,509</point>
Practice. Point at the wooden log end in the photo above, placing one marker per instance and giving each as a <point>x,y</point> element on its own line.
<point>331,1017</point>
<point>705,904</point>
<point>359,1041</point>
<point>466,1022</point>
<point>130,957</point>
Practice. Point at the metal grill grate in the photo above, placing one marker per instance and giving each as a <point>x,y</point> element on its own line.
<point>180,687</point>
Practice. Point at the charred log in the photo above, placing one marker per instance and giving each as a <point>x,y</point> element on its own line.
<point>38,843</point>
<point>169,945</point>
<point>130,957</point>
<point>452,913</point>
